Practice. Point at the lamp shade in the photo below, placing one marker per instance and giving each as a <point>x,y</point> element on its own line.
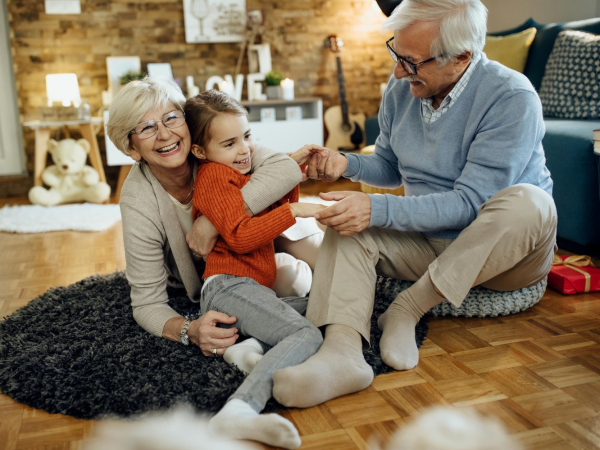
<point>63,88</point>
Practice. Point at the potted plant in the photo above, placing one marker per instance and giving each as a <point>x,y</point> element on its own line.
<point>130,76</point>
<point>273,82</point>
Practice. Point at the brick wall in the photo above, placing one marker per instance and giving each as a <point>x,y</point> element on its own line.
<point>154,30</point>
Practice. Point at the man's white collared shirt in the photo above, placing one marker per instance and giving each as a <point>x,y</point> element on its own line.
<point>430,115</point>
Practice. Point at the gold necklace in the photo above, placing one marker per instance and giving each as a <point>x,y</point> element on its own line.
<point>189,193</point>
<point>183,201</point>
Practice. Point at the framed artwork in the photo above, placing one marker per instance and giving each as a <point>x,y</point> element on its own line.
<point>63,6</point>
<point>114,156</point>
<point>267,115</point>
<point>293,113</point>
<point>116,67</point>
<point>214,20</point>
<point>160,70</point>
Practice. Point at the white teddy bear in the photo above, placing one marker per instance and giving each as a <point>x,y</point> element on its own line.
<point>70,179</point>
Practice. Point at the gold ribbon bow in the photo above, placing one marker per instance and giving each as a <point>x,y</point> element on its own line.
<point>572,262</point>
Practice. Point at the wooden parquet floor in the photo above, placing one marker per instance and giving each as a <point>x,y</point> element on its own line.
<point>538,371</point>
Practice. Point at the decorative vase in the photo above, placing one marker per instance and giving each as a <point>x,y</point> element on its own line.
<point>274,92</point>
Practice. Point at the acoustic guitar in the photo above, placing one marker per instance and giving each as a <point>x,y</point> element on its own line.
<point>345,130</point>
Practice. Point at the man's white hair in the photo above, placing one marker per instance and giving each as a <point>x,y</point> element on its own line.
<point>463,24</point>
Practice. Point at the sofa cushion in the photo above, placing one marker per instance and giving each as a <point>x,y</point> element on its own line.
<point>528,24</point>
<point>572,164</point>
<point>571,84</point>
<point>510,50</point>
<point>544,41</point>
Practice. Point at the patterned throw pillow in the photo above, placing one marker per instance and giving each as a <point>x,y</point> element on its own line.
<point>571,84</point>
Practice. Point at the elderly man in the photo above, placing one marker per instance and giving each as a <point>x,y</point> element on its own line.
<point>463,135</point>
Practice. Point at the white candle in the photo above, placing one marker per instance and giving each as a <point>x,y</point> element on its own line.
<point>226,87</point>
<point>287,86</point>
<point>193,91</point>
<point>190,81</point>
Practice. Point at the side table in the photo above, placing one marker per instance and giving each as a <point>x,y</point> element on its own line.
<point>89,130</point>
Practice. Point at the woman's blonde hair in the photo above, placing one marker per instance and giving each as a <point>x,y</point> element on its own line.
<point>134,101</point>
<point>201,110</point>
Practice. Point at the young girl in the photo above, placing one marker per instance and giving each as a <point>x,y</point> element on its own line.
<point>241,269</point>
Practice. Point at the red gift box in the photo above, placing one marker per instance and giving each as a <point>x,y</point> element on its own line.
<point>574,274</point>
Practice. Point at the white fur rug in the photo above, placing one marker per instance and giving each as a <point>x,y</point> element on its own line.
<point>76,217</point>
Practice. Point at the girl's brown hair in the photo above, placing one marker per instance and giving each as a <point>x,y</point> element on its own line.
<point>201,110</point>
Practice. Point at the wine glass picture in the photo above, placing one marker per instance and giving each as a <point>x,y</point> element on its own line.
<point>200,9</point>
<point>214,20</point>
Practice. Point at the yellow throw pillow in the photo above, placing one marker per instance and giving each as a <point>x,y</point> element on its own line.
<point>510,50</point>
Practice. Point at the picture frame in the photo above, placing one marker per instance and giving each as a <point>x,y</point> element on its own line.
<point>114,156</point>
<point>116,67</point>
<point>267,115</point>
<point>293,113</point>
<point>214,20</point>
<point>160,70</point>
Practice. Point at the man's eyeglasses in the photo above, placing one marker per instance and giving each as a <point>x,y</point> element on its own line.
<point>411,68</point>
<point>145,130</point>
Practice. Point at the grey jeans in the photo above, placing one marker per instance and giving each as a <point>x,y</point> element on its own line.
<point>276,322</point>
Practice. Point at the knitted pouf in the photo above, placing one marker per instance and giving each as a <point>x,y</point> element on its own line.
<point>480,302</point>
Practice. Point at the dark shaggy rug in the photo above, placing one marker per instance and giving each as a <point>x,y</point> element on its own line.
<point>76,350</point>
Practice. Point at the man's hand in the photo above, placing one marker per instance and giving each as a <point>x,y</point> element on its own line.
<point>204,333</point>
<point>326,165</point>
<point>202,237</point>
<point>302,209</point>
<point>350,215</point>
<point>301,155</point>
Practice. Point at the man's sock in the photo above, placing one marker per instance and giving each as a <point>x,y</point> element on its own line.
<point>244,355</point>
<point>338,368</point>
<point>398,344</point>
<point>238,420</point>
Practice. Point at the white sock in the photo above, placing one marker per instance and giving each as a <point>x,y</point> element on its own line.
<point>338,368</point>
<point>398,344</point>
<point>238,420</point>
<point>244,355</point>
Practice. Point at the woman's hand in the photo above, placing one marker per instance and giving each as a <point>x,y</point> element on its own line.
<point>204,333</point>
<point>302,209</point>
<point>202,237</point>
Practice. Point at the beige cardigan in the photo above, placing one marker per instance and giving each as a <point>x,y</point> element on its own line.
<point>156,251</point>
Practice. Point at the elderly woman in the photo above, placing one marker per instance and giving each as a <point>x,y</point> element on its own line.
<point>147,123</point>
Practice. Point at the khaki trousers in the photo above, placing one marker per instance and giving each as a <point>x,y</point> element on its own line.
<point>508,246</point>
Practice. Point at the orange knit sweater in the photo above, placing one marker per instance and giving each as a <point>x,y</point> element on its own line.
<point>245,246</point>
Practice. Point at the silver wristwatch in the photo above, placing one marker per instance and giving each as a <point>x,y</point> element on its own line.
<point>185,340</point>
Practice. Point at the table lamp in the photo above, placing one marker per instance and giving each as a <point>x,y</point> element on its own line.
<point>63,88</point>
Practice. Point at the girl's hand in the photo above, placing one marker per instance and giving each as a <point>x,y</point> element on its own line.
<point>301,209</point>
<point>302,155</point>
<point>202,237</point>
<point>204,333</point>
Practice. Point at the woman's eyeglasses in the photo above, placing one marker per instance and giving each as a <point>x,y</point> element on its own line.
<point>411,68</point>
<point>145,130</point>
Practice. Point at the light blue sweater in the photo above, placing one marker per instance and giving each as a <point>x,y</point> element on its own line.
<point>490,139</point>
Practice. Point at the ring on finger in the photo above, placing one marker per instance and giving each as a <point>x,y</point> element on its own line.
<point>214,352</point>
